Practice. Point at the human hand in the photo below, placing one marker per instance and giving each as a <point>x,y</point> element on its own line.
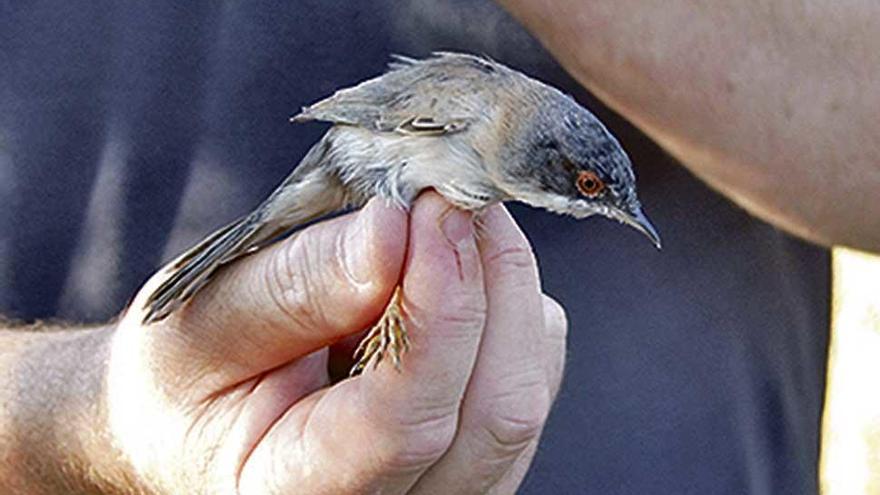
<point>232,393</point>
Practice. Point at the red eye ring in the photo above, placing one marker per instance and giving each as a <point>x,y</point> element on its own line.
<point>589,184</point>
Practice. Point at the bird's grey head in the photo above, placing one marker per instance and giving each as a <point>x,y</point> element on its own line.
<point>566,161</point>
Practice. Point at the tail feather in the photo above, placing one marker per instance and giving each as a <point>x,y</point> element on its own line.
<point>310,192</point>
<point>195,267</point>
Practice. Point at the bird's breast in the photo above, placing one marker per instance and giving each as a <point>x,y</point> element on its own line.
<point>399,167</point>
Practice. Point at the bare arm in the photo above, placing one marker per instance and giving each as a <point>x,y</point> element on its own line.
<point>773,102</point>
<point>53,437</point>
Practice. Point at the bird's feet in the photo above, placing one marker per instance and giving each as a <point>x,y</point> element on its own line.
<point>388,337</point>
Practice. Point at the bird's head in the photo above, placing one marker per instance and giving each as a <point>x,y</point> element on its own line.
<point>564,160</point>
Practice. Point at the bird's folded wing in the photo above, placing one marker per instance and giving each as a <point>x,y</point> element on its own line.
<point>437,96</point>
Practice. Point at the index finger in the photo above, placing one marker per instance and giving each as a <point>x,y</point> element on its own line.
<point>508,396</point>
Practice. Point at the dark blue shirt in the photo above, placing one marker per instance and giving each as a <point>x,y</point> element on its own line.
<point>130,129</point>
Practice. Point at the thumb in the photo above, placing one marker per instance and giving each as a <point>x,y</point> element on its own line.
<point>330,280</point>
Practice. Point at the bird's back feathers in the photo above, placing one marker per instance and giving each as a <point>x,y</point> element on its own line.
<point>398,100</point>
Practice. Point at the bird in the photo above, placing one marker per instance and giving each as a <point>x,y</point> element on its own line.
<point>473,129</point>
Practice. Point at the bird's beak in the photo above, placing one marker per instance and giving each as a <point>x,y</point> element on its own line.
<point>640,222</point>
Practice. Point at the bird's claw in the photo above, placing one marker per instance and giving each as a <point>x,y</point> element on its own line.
<point>387,337</point>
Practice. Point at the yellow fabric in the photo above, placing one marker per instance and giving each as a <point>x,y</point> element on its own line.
<point>850,461</point>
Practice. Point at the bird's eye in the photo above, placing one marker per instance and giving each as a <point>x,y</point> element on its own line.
<point>589,184</point>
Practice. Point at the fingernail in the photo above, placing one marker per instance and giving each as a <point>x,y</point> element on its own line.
<point>457,226</point>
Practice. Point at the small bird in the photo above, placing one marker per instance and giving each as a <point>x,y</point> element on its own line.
<point>469,127</point>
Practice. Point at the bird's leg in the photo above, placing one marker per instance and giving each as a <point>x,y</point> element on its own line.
<point>476,217</point>
<point>479,225</point>
<point>388,337</point>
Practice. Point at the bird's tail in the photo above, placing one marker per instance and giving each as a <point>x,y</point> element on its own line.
<point>310,192</point>
<point>192,269</point>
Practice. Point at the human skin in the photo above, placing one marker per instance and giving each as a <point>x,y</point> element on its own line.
<point>232,393</point>
<point>772,102</point>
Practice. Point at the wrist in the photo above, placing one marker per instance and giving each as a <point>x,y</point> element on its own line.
<point>53,428</point>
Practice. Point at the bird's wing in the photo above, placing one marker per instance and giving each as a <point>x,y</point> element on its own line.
<point>436,96</point>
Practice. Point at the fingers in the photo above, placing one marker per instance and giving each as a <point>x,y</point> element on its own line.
<point>296,296</point>
<point>555,330</point>
<point>510,392</point>
<point>554,340</point>
<point>382,429</point>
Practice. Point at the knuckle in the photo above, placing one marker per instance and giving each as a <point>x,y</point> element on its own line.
<point>555,318</point>
<point>556,328</point>
<point>516,418</point>
<point>415,445</point>
<point>466,310</point>
<point>516,257</point>
<point>293,285</point>
<point>466,314</point>
<point>557,375</point>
